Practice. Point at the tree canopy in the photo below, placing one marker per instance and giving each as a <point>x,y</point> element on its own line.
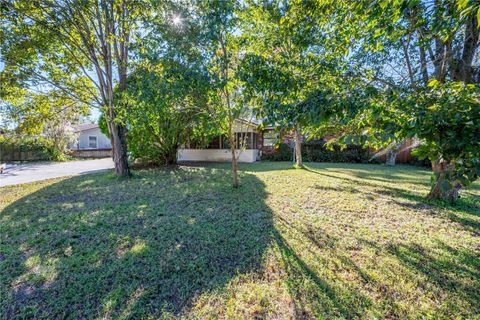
<point>366,72</point>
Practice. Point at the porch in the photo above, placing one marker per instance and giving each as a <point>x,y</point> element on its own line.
<point>247,149</point>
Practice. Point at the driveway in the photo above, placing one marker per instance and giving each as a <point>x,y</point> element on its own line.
<point>36,171</point>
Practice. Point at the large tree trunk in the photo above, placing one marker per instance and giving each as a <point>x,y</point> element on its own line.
<point>234,166</point>
<point>118,140</point>
<point>443,188</point>
<point>462,68</point>
<point>120,150</point>
<point>298,148</point>
<point>119,145</point>
<point>470,46</point>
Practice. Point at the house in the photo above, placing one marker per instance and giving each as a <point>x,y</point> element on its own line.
<point>251,144</point>
<point>90,142</point>
<point>261,142</point>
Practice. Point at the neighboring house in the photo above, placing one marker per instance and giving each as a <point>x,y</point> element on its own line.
<point>91,142</point>
<point>256,142</point>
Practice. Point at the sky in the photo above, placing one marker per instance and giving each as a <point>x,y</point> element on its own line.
<point>94,114</point>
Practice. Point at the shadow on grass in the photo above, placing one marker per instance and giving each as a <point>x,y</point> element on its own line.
<point>93,246</point>
<point>96,247</point>
<point>316,296</point>
<point>466,211</point>
<point>453,270</point>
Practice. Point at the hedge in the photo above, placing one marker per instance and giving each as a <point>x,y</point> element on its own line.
<point>317,152</point>
<point>19,148</point>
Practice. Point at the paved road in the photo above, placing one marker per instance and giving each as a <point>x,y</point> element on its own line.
<point>35,171</point>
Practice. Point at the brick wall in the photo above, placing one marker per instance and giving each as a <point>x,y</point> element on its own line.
<point>91,153</point>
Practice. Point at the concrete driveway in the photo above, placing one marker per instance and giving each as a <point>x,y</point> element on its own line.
<point>36,171</point>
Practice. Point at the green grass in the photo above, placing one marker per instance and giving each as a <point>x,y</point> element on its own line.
<point>327,241</point>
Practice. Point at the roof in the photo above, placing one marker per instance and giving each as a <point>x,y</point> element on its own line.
<point>252,121</point>
<point>86,126</point>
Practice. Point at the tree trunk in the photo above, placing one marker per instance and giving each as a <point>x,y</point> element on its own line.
<point>120,150</point>
<point>234,166</point>
<point>423,64</point>
<point>440,54</point>
<point>409,64</point>
<point>298,148</point>
<point>171,158</point>
<point>120,156</point>
<point>443,188</point>
<point>392,154</point>
<point>462,68</point>
<point>415,15</point>
<point>391,157</point>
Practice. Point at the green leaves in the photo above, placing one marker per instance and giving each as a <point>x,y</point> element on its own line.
<point>166,108</point>
<point>286,69</point>
<point>462,4</point>
<point>447,121</point>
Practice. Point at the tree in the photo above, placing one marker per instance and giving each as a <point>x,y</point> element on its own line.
<point>447,122</point>
<point>50,116</point>
<point>439,41</point>
<point>286,68</point>
<point>167,91</point>
<point>167,108</point>
<point>226,106</point>
<point>78,47</point>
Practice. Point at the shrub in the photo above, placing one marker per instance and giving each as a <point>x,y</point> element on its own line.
<point>33,148</point>
<point>282,153</point>
<point>164,109</point>
<point>316,151</point>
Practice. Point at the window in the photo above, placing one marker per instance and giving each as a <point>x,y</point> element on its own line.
<point>269,138</point>
<point>225,143</point>
<point>92,142</point>
<point>240,140</point>
<point>244,139</point>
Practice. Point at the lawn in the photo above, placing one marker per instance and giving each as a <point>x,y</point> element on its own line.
<point>329,241</point>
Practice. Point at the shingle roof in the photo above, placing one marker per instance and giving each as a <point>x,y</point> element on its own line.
<point>86,126</point>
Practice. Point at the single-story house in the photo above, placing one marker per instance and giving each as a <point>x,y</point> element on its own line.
<point>252,142</point>
<point>256,142</point>
<point>91,142</point>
